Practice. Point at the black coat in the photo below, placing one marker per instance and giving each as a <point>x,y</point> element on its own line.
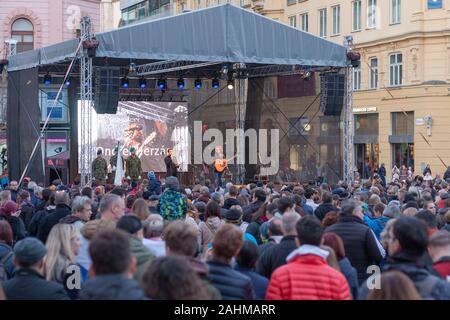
<point>27,284</point>
<point>447,175</point>
<point>6,253</point>
<point>171,168</point>
<point>50,220</point>
<point>351,275</point>
<point>26,214</point>
<point>275,256</point>
<point>250,209</point>
<point>259,282</point>
<point>359,242</point>
<point>35,222</point>
<point>323,209</point>
<point>17,226</point>
<point>230,202</point>
<point>111,287</point>
<point>231,284</point>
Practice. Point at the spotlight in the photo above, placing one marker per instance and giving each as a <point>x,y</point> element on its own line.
<point>230,85</point>
<point>47,79</point>
<point>355,58</point>
<point>125,82</point>
<point>306,75</point>
<point>142,83</point>
<point>215,83</point>
<point>162,84</point>
<point>180,83</point>
<point>68,82</point>
<point>198,84</point>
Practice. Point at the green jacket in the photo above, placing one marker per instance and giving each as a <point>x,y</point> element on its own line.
<point>100,169</point>
<point>142,255</point>
<point>133,167</point>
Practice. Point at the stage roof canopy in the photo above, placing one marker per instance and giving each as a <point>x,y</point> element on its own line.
<point>224,33</point>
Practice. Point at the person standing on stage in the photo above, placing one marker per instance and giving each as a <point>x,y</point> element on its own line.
<point>100,168</point>
<point>113,164</point>
<point>171,167</point>
<point>220,164</point>
<point>134,168</point>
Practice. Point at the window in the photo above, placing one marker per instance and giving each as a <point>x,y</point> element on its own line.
<point>357,78</point>
<point>395,69</point>
<point>305,22</point>
<point>434,4</point>
<point>323,22</point>
<point>395,11</point>
<point>336,20</point>
<point>22,31</point>
<point>402,123</point>
<point>372,13</point>
<point>289,2</point>
<point>141,10</point>
<point>356,25</point>
<point>373,73</point>
<point>293,21</point>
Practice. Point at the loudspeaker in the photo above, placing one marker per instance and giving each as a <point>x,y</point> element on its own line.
<point>332,87</point>
<point>107,84</point>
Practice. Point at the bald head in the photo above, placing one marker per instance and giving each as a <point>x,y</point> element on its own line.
<point>289,222</point>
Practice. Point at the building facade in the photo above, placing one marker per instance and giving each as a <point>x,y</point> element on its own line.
<point>35,24</point>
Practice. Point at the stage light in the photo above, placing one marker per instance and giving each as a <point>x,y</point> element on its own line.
<point>215,83</point>
<point>198,84</point>
<point>68,82</point>
<point>162,84</point>
<point>142,83</point>
<point>306,75</point>
<point>124,82</point>
<point>230,85</point>
<point>180,83</point>
<point>47,79</point>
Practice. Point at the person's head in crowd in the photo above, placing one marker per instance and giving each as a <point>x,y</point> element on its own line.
<point>248,255</point>
<point>334,241</point>
<point>429,219</point>
<point>352,208</point>
<point>275,228</point>
<point>309,231</point>
<point>153,228</point>
<point>426,196</point>
<point>335,200</point>
<point>259,195</point>
<point>233,191</point>
<point>63,243</point>
<point>62,198</point>
<point>429,205</point>
<point>119,192</point>
<point>234,215</point>
<point>394,285</point>
<point>181,239</point>
<point>130,201</point>
<point>9,208</point>
<point>289,221</point>
<point>374,200</point>
<point>409,235</point>
<point>132,225</point>
<point>309,193</point>
<point>226,243</point>
<point>201,208</point>
<point>172,183</point>
<point>13,185</point>
<point>173,278</point>
<point>409,212</point>
<point>332,259</point>
<point>384,235</point>
<point>271,209</point>
<point>140,209</point>
<point>24,197</point>
<point>38,192</point>
<point>6,233</point>
<point>110,254</point>
<point>378,210</point>
<point>285,205</point>
<point>82,208</point>
<point>5,195</point>
<point>87,191</point>
<point>392,211</point>
<point>327,197</point>
<point>204,191</point>
<point>243,200</point>
<point>218,198</point>
<point>411,196</point>
<point>330,219</point>
<point>111,207</point>
<point>439,245</point>
<point>29,253</point>
<point>212,210</point>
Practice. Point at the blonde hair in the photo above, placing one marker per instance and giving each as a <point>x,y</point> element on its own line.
<point>385,233</point>
<point>59,250</point>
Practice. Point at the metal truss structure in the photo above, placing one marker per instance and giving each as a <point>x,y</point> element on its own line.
<point>86,98</point>
<point>170,66</point>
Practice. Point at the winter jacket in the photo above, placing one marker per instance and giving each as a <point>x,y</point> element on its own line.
<point>207,230</point>
<point>377,224</point>
<point>202,270</point>
<point>274,240</point>
<point>17,226</point>
<point>27,284</point>
<point>35,222</point>
<point>307,276</point>
<point>50,220</point>
<point>259,282</point>
<point>154,187</point>
<point>250,209</point>
<point>111,287</point>
<point>156,246</point>
<point>429,286</point>
<point>323,209</point>
<point>8,264</point>
<point>359,243</point>
<point>26,213</point>
<point>275,256</point>
<point>231,284</point>
<point>77,222</point>
<point>443,267</point>
<point>230,202</point>
<point>143,256</point>
<point>254,229</point>
<point>172,205</point>
<point>351,275</point>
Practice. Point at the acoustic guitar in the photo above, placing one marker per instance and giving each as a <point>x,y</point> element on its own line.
<point>221,164</point>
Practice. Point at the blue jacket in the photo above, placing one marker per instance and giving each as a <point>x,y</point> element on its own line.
<point>259,282</point>
<point>154,187</point>
<point>9,265</point>
<point>377,225</point>
<point>351,275</point>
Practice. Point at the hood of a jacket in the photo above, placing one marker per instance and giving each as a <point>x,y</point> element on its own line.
<point>200,267</point>
<point>91,227</point>
<point>69,219</point>
<point>214,223</point>
<point>111,287</point>
<point>139,251</point>
<point>307,249</point>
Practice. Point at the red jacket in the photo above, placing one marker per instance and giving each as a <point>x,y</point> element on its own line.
<point>443,267</point>
<point>307,277</point>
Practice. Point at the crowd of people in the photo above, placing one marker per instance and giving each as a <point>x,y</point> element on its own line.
<point>159,240</point>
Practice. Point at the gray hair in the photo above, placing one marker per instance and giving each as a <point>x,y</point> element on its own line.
<point>204,190</point>
<point>153,228</point>
<point>289,221</point>
<point>5,195</point>
<point>38,190</point>
<point>62,197</point>
<point>107,201</point>
<point>79,202</point>
<point>32,185</point>
<point>349,206</point>
<point>392,211</point>
<point>217,197</point>
<point>172,183</point>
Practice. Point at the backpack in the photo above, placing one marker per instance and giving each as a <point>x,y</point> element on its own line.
<point>3,273</point>
<point>427,286</point>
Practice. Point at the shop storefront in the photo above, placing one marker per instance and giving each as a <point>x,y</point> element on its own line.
<point>366,147</point>
<point>402,139</point>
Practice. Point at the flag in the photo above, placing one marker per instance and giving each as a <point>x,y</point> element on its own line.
<point>119,168</point>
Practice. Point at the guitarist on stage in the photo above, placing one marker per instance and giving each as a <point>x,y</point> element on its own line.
<point>220,164</point>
